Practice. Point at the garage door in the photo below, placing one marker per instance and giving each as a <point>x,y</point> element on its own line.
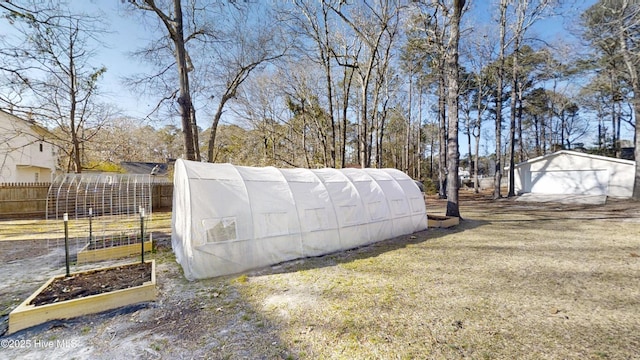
<point>570,182</point>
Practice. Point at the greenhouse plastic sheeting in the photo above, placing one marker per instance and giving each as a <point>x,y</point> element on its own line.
<point>228,219</point>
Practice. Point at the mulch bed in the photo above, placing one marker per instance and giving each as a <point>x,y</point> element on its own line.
<point>93,283</point>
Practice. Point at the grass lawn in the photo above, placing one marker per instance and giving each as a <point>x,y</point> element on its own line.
<point>511,282</point>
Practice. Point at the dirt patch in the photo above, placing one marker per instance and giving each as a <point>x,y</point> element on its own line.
<point>94,282</point>
<point>16,250</point>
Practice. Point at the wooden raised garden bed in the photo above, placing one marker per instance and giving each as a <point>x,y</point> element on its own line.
<point>114,248</point>
<point>85,293</point>
<point>436,221</point>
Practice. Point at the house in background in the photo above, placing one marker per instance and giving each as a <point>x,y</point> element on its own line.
<point>25,154</point>
<point>574,173</point>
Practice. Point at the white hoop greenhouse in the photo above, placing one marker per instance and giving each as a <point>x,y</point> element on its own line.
<point>228,219</point>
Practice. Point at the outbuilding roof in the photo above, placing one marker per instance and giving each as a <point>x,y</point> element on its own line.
<point>133,167</point>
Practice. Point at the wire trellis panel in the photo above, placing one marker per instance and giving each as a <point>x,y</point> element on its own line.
<point>105,194</point>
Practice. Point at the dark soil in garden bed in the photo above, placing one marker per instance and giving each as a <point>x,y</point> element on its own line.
<point>93,283</point>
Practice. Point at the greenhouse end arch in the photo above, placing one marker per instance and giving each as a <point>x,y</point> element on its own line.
<point>228,219</point>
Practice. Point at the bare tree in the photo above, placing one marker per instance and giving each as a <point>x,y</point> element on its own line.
<point>376,26</point>
<point>173,21</point>
<point>250,40</point>
<point>262,109</point>
<point>51,76</point>
<point>313,21</point>
<point>428,29</point>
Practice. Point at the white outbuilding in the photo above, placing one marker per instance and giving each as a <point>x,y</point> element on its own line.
<point>228,219</point>
<point>574,173</point>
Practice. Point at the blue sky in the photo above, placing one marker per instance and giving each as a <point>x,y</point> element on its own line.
<point>127,34</point>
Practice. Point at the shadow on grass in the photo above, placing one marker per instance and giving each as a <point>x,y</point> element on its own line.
<point>367,251</point>
<point>559,219</point>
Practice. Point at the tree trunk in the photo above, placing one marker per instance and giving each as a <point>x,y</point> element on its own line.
<point>304,142</point>
<point>442,143</point>
<point>521,150</point>
<point>512,123</point>
<point>476,185</point>
<point>469,152</point>
<point>543,136</point>
<point>476,181</point>
<point>72,112</point>
<point>380,132</point>
<point>498,168</point>
<point>194,129</point>
<point>184,98</point>
<point>326,58</point>
<point>362,138</point>
<point>419,140</point>
<point>453,208</point>
<point>431,156</point>
<point>214,127</point>
<point>618,121</point>
<point>345,109</point>
<point>408,132</point>
<point>636,106</point>
<point>369,148</point>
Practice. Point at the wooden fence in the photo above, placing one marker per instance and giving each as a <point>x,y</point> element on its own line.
<point>162,197</point>
<point>29,200</point>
